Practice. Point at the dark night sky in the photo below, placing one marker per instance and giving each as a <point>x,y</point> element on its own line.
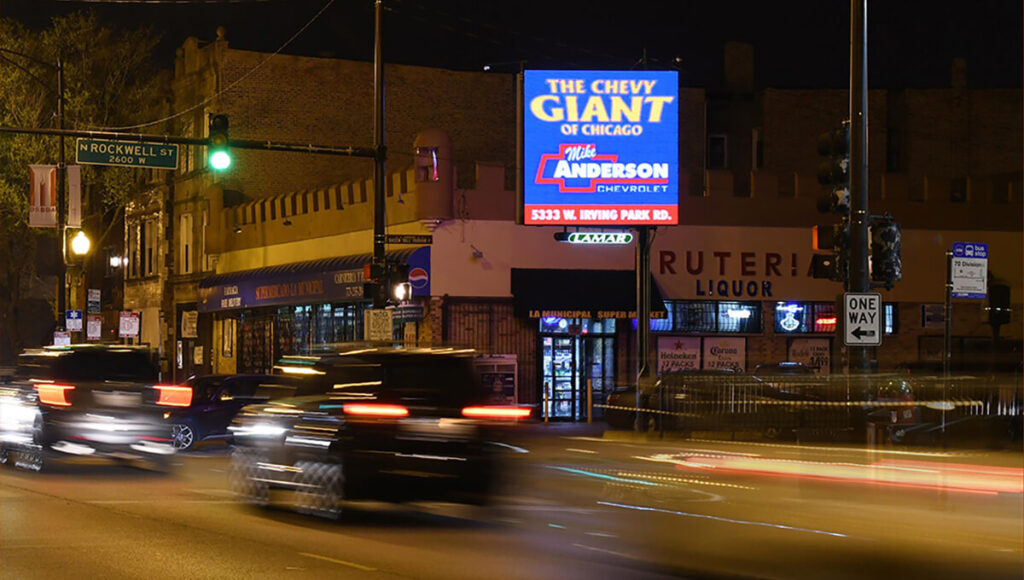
<point>797,43</point>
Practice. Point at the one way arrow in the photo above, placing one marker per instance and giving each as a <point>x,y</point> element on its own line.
<point>860,333</point>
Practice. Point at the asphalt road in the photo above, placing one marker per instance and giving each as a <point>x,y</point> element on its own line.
<point>572,507</point>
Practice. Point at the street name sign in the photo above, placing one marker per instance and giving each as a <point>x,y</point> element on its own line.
<point>409,239</point>
<point>862,314</point>
<point>126,154</point>
<point>970,270</point>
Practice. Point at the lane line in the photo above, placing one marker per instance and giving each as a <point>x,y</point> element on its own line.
<point>342,562</point>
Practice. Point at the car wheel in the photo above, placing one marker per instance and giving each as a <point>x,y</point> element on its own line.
<point>184,436</point>
<point>31,459</point>
<point>321,490</point>
<point>246,480</point>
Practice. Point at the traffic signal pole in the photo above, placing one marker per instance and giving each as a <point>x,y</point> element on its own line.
<point>859,280</point>
<point>379,149</point>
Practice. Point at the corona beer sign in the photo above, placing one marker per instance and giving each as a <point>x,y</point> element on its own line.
<point>600,148</point>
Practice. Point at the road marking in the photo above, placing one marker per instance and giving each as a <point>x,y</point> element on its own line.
<point>214,491</point>
<point>619,554</point>
<point>580,450</point>
<point>342,562</point>
<point>149,501</point>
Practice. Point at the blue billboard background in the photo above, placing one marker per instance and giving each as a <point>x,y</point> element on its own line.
<point>601,147</point>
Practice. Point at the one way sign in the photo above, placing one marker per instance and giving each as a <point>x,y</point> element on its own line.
<point>863,318</point>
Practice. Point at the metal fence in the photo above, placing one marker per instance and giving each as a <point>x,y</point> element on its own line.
<point>899,408</point>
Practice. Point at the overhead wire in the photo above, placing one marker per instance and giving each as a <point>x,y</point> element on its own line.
<point>237,81</point>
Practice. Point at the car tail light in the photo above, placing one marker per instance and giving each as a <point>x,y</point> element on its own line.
<point>173,395</point>
<point>53,394</point>
<point>375,410</point>
<point>496,412</point>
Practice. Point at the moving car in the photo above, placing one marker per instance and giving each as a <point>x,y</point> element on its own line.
<point>87,400</point>
<point>376,423</point>
<point>216,399</point>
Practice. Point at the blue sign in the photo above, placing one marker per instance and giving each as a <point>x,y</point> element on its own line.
<point>279,287</point>
<point>600,147</point>
<point>73,320</point>
<point>969,270</point>
<point>970,250</point>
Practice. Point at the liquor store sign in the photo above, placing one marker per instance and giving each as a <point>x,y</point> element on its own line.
<point>126,154</point>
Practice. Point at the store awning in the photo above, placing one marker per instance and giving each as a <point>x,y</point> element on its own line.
<point>579,294</point>
<point>315,281</point>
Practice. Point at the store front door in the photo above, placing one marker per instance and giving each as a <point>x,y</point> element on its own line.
<point>577,355</point>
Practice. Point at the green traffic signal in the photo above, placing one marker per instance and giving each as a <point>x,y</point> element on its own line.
<point>220,160</point>
<point>219,157</point>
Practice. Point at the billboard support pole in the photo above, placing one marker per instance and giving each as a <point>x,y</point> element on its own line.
<point>643,315</point>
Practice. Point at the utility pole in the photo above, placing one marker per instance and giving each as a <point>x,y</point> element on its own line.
<point>381,151</point>
<point>859,281</point>
<point>643,316</point>
<point>62,267</point>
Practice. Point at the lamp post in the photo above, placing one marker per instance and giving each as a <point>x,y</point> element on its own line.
<point>62,263</point>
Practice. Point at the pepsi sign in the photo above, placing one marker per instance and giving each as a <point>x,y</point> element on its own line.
<point>600,148</point>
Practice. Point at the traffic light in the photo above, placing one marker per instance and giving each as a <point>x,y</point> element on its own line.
<point>886,261</point>
<point>834,171</point>
<point>826,267</point>
<point>833,238</point>
<point>217,152</point>
<point>399,288</point>
<point>373,278</point>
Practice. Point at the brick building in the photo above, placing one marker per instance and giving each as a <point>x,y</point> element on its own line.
<point>266,259</point>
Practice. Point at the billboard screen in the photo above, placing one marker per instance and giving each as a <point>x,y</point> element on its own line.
<point>600,147</point>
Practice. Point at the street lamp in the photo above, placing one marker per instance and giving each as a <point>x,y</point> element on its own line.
<point>80,244</point>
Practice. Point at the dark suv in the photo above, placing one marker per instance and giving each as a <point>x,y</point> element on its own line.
<point>87,400</point>
<point>376,423</point>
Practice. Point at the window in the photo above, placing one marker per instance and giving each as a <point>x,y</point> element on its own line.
<point>739,317</point>
<point>890,318</point>
<point>958,190</point>
<point>132,261</point>
<point>818,318</point>
<point>707,316</point>
<point>185,244</point>
<point>757,149</point>
<point>150,257</point>
<point>718,157</point>
<point>204,259</point>
<point>426,164</point>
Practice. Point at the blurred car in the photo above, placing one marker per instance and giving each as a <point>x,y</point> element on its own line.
<point>376,423</point>
<point>87,400</point>
<point>216,399</point>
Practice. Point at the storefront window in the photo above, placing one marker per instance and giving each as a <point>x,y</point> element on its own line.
<point>739,317</point>
<point>710,317</point>
<point>890,318</point>
<point>817,318</point>
<point>556,325</point>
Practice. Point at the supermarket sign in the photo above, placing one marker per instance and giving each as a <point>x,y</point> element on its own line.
<point>600,148</point>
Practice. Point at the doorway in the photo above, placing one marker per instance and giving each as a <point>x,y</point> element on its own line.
<point>575,353</point>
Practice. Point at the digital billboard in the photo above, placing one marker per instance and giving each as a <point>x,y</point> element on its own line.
<point>600,147</point>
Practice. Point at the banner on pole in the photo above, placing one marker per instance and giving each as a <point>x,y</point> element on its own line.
<point>74,196</point>
<point>42,212</point>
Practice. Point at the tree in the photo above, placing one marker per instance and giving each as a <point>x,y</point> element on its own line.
<point>110,81</point>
